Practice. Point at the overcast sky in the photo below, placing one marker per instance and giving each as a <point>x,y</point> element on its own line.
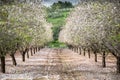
<point>50,2</point>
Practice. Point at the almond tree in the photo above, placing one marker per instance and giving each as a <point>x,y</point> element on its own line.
<point>22,26</point>
<point>95,25</point>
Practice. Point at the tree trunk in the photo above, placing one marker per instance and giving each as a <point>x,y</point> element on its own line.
<point>72,49</point>
<point>89,53</point>
<point>118,64</point>
<point>95,56</point>
<point>103,60</point>
<point>39,48</point>
<point>3,64</point>
<point>77,49</point>
<point>13,59</point>
<point>34,50</point>
<point>23,57</point>
<point>84,52</point>
<point>31,51</point>
<point>28,54</point>
<point>80,51</point>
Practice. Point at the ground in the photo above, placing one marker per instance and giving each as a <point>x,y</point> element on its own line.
<point>60,64</point>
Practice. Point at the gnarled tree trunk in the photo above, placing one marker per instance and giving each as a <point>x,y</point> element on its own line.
<point>3,64</point>
<point>118,64</point>
<point>77,50</point>
<point>23,56</point>
<point>27,53</point>
<point>95,53</point>
<point>103,59</point>
<point>80,51</point>
<point>13,59</point>
<point>31,51</point>
<point>84,51</point>
<point>34,50</point>
<point>89,53</point>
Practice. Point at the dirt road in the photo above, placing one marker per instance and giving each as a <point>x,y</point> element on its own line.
<point>58,64</point>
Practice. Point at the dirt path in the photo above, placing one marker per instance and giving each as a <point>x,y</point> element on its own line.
<point>57,64</point>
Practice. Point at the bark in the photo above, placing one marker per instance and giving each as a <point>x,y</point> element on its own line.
<point>23,56</point>
<point>39,48</point>
<point>34,50</point>
<point>3,64</point>
<point>31,51</point>
<point>72,49</point>
<point>80,51</point>
<point>118,64</point>
<point>95,56</point>
<point>27,53</point>
<point>69,47</point>
<point>103,59</point>
<point>89,53</point>
<point>13,59</point>
<point>77,50</point>
<point>84,51</point>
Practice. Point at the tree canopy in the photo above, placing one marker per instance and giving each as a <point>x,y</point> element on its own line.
<point>23,26</point>
<point>61,5</point>
<point>94,24</point>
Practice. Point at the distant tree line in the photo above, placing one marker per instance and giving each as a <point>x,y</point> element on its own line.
<point>61,5</point>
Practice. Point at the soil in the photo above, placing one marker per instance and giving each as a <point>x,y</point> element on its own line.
<point>60,64</point>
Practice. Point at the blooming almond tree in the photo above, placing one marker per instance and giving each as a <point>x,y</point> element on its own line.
<point>22,26</point>
<point>95,25</point>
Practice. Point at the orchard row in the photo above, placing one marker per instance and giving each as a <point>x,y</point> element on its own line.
<point>94,25</point>
<point>22,28</point>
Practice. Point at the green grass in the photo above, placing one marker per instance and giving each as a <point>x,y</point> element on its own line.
<point>58,20</point>
<point>57,44</point>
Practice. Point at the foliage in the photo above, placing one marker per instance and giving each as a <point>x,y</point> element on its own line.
<point>60,5</point>
<point>93,24</point>
<point>23,26</point>
<point>57,44</point>
<point>57,18</point>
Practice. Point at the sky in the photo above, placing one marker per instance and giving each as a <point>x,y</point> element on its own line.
<point>50,2</point>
